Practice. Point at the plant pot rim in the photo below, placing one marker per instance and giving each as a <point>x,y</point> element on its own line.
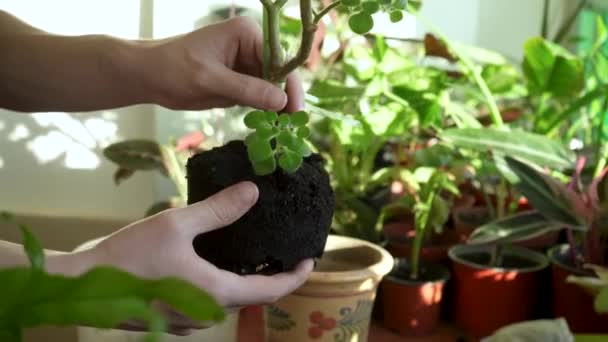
<point>419,282</point>
<point>563,248</point>
<point>379,269</point>
<point>539,259</point>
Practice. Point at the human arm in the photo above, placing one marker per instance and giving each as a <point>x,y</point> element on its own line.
<point>216,66</point>
<point>161,246</point>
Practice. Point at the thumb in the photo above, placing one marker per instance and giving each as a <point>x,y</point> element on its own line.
<point>249,91</point>
<point>221,209</point>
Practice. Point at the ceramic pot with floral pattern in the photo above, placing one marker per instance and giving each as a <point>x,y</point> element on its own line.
<point>335,304</point>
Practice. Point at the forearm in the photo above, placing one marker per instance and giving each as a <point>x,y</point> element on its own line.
<point>70,264</point>
<point>44,72</point>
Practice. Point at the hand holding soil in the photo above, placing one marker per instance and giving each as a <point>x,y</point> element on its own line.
<point>161,246</point>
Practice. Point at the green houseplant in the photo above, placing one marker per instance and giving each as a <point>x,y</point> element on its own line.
<point>408,307</point>
<point>103,297</point>
<point>583,212</point>
<point>296,202</point>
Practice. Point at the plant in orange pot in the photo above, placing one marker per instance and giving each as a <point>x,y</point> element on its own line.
<point>558,206</point>
<point>412,293</point>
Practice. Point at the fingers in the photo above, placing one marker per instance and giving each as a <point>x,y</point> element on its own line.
<point>219,210</point>
<point>255,289</point>
<point>295,93</point>
<point>247,90</point>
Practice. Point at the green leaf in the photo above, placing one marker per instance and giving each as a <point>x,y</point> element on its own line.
<point>550,68</point>
<point>284,120</point>
<point>285,138</point>
<point>255,119</point>
<point>361,23</point>
<point>400,4</point>
<point>265,167</point>
<point>520,227</point>
<point>601,301</point>
<point>500,77</point>
<point>265,131</point>
<point>529,147</point>
<point>551,198</point>
<point>370,6</point>
<point>299,118</point>
<point>271,116</point>
<point>333,89</point>
<point>259,149</point>
<point>303,132</point>
<point>136,155</point>
<point>103,297</point>
<point>350,3</point>
<point>290,161</point>
<point>396,16</point>
<point>250,138</point>
<point>34,250</point>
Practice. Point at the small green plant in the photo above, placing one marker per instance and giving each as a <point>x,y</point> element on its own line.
<point>103,297</point>
<point>430,207</point>
<point>277,139</point>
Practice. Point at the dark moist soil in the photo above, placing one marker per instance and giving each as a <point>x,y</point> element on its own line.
<point>289,223</point>
<point>508,261</point>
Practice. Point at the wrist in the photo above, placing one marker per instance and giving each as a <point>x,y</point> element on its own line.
<point>71,264</point>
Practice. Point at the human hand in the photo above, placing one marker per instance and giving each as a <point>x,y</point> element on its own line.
<point>217,66</point>
<point>161,246</point>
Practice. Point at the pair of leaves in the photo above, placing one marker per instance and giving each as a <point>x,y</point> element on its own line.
<point>556,207</point>
<point>278,139</point>
<point>361,21</point>
<point>549,68</point>
<point>103,297</point>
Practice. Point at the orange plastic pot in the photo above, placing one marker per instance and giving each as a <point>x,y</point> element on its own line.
<point>571,301</point>
<point>413,307</point>
<point>486,299</point>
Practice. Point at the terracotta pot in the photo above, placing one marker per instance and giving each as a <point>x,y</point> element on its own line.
<point>487,299</point>
<point>571,301</point>
<point>412,307</point>
<point>336,301</point>
<point>467,219</point>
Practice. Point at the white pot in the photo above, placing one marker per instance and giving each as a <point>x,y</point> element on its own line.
<point>226,331</point>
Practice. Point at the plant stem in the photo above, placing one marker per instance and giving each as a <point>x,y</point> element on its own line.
<point>415,255</point>
<point>324,11</point>
<point>563,31</point>
<point>308,34</point>
<point>496,255</point>
<point>602,150</point>
<point>545,25</point>
<point>471,70</point>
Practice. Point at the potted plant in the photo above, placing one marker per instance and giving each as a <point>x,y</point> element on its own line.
<point>412,292</point>
<point>559,206</point>
<point>103,297</point>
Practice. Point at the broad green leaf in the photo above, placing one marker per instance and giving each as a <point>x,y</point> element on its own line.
<point>265,131</point>
<point>136,155</point>
<point>399,4</point>
<point>518,227</point>
<point>424,103</point>
<point>551,198</point>
<point>303,132</point>
<point>361,23</point>
<point>333,89</point>
<point>550,68</point>
<point>259,149</point>
<point>370,6</point>
<point>591,285</point>
<point>34,250</point>
<point>255,118</point>
<point>290,161</point>
<point>271,116</point>
<point>250,138</point>
<point>439,214</point>
<point>265,167</point>
<point>350,3</point>
<point>396,16</point>
<point>500,77</point>
<point>529,147</point>
<point>601,272</point>
<point>284,120</point>
<point>286,138</point>
<point>601,301</point>
<point>601,34</point>
<point>299,118</point>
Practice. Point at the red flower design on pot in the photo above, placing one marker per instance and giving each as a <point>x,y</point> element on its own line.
<point>320,324</point>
